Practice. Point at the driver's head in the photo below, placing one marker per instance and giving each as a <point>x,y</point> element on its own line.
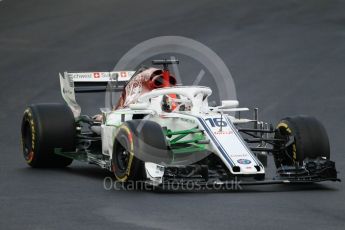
<point>174,102</point>
<point>168,103</point>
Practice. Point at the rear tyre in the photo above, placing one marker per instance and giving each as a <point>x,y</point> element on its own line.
<point>308,139</point>
<point>136,142</point>
<point>44,128</point>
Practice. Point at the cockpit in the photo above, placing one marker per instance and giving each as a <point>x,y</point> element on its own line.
<point>177,99</point>
<point>175,102</point>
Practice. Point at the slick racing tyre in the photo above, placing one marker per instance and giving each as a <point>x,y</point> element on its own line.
<point>305,138</point>
<point>44,128</point>
<point>136,142</point>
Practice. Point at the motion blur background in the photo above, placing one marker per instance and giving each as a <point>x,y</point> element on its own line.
<point>286,57</point>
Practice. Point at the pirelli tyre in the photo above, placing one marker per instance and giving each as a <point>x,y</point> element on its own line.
<point>305,137</point>
<point>44,128</point>
<point>136,142</point>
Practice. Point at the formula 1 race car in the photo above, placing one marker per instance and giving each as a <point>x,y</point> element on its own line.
<point>162,133</point>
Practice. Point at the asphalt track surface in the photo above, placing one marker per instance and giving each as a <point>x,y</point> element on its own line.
<point>286,57</point>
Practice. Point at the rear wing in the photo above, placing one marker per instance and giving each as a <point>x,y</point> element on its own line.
<point>89,82</point>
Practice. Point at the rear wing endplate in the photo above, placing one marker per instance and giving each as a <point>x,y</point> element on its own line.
<point>89,82</point>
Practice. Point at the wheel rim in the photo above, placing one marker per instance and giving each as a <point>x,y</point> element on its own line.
<point>122,156</point>
<point>287,158</point>
<point>122,159</point>
<point>27,141</point>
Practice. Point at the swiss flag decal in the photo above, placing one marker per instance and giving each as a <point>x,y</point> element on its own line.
<point>123,74</point>
<point>96,75</point>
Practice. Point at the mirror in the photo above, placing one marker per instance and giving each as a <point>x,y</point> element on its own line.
<point>228,104</point>
<point>139,106</point>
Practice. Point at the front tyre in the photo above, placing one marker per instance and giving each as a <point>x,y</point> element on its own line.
<point>136,142</point>
<point>44,128</point>
<point>125,166</point>
<point>305,137</point>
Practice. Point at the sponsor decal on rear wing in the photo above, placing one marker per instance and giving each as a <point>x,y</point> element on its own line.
<point>98,81</point>
<point>118,76</point>
<point>86,82</point>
